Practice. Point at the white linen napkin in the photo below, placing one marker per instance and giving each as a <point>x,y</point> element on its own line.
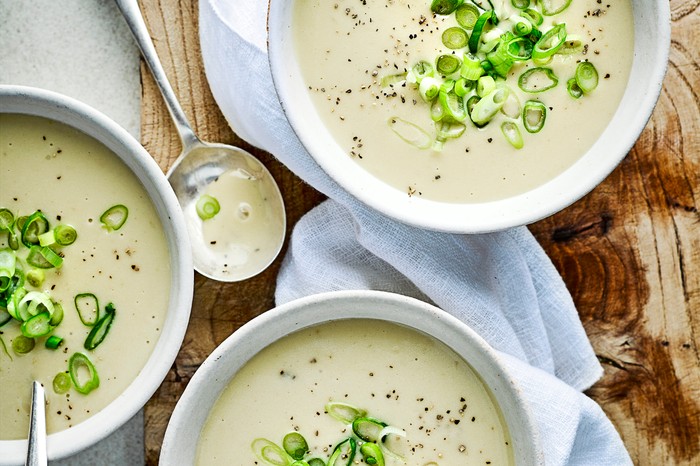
<point>500,284</point>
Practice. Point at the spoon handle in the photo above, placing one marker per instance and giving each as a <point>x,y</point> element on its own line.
<point>132,14</point>
<point>36,451</point>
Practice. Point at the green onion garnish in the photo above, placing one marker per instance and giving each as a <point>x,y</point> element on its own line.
<point>586,76</point>
<point>344,412</point>
<point>420,70</point>
<point>8,265</point>
<point>83,373</point>
<point>486,108</point>
<point>410,132</point>
<point>65,235</point>
<point>61,383</point>
<point>512,134</point>
<point>550,42</point>
<point>35,277</point>
<point>295,445</point>
<point>533,15</point>
<point>534,116</point>
<point>343,453</point>
<point>368,428</point>
<point>466,15</point>
<point>47,239</point>
<point>463,87</point>
<point>32,227</point>
<point>88,308</point>
<point>316,462</point>
<point>372,454</point>
<point>43,257</point>
<point>269,452</point>
<point>207,206</point>
<point>479,26</point>
<point>447,64</point>
<point>7,219</point>
<point>573,89</point>
<point>429,88</point>
<point>554,7</point>
<point>485,86</point>
<point>114,217</point>
<point>520,4</point>
<point>471,68</point>
<point>454,38</point>
<point>53,342</point>
<point>452,106</point>
<point>445,7</point>
<point>537,80</point>
<point>37,326</point>
<point>22,344</point>
<point>57,316</point>
<point>100,329</point>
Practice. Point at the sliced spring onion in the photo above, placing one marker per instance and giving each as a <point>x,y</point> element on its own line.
<point>368,428</point>
<point>572,44</point>
<point>454,38</point>
<point>32,227</point>
<point>573,89</point>
<point>61,383</point>
<point>420,70</point>
<point>447,64</point>
<point>512,134</point>
<point>57,316</point>
<point>47,239</point>
<point>13,302</point>
<point>53,342</point>
<point>8,265</point>
<point>22,344</point>
<point>7,219</point>
<point>35,277</point>
<point>466,15</point>
<point>463,87</point>
<point>520,49</point>
<point>300,463</point>
<point>316,462</point>
<point>450,131</point>
<point>512,108</point>
<point>344,412</point>
<point>586,76</point>
<point>452,106</point>
<point>100,329</point>
<point>343,453</point>
<point>550,42</point>
<point>486,108</point>
<point>471,67</point>
<point>410,132</point>
<point>500,58</point>
<point>372,454</point>
<point>34,303</point>
<point>65,235</point>
<point>534,116</point>
<point>114,217</point>
<point>520,4</point>
<point>207,206</point>
<point>37,326</point>
<point>479,29</point>
<point>533,15</point>
<point>521,25</point>
<point>445,7</point>
<point>537,80</point>
<point>429,88</point>
<point>88,308</point>
<point>5,316</point>
<point>12,240</point>
<point>43,257</point>
<point>554,7</point>
<point>295,445</point>
<point>390,80</point>
<point>485,85</point>
<point>83,373</point>
<point>270,453</point>
<point>471,102</point>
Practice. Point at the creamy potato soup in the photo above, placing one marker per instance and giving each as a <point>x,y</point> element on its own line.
<point>358,58</point>
<point>397,384</point>
<point>117,273</point>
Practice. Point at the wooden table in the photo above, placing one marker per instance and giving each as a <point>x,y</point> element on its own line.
<point>629,252</point>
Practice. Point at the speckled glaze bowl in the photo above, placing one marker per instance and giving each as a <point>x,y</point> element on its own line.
<point>202,392</point>
<point>651,48</point>
<point>31,101</point>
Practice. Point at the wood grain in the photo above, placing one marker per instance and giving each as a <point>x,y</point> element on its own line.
<point>629,252</point>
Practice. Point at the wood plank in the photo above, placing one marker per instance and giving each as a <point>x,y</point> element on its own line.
<point>629,252</point>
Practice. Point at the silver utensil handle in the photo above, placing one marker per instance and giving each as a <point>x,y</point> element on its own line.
<point>36,451</point>
<point>134,19</point>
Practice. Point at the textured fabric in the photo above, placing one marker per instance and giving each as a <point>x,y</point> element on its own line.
<point>500,284</point>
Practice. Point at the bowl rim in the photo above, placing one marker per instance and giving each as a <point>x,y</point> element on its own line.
<point>190,413</point>
<point>649,67</point>
<point>58,107</point>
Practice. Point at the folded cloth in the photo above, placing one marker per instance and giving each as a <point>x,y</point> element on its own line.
<point>500,284</point>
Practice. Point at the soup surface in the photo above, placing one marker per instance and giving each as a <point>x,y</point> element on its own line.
<point>346,48</point>
<point>397,375</point>
<point>73,179</point>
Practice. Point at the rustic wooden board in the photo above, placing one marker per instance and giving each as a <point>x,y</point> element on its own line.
<point>629,252</point>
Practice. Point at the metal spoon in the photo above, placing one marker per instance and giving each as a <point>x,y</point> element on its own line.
<point>36,449</point>
<point>235,252</point>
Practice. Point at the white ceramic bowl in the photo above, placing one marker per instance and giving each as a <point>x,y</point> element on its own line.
<point>31,101</point>
<point>191,412</point>
<point>651,48</point>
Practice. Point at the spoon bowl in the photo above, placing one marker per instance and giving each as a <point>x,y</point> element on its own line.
<point>247,234</point>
